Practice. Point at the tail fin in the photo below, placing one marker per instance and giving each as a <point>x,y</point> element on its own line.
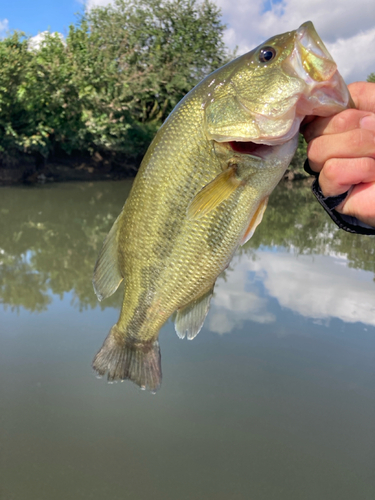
<point>140,363</point>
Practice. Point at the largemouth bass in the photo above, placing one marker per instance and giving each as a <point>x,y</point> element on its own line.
<point>201,191</point>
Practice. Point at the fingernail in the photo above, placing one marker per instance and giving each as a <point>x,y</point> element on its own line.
<point>367,122</point>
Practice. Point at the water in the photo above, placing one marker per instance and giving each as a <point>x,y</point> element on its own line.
<point>273,400</point>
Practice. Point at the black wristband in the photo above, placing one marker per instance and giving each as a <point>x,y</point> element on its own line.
<point>329,203</point>
<point>307,169</point>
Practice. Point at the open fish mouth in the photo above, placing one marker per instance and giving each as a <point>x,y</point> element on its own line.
<point>251,148</point>
<point>255,150</point>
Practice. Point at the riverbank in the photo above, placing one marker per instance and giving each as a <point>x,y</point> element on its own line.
<point>28,171</point>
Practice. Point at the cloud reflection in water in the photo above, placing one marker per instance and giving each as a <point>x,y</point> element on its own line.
<point>314,286</point>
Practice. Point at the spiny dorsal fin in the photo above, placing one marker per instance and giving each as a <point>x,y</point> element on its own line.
<point>189,320</point>
<point>255,221</point>
<point>214,193</point>
<point>107,275</point>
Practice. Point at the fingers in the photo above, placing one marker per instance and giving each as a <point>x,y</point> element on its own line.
<point>360,203</point>
<point>363,94</point>
<point>340,174</point>
<point>356,143</point>
<point>342,149</point>
<point>349,119</point>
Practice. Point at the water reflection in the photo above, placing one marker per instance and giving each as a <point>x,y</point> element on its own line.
<point>297,260</point>
<point>49,241</point>
<point>267,405</point>
<point>314,286</point>
<point>50,237</point>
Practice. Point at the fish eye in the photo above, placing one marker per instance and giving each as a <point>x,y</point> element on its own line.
<point>267,54</point>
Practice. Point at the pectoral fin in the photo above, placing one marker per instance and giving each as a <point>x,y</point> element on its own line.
<point>107,275</point>
<point>213,194</point>
<point>189,320</point>
<point>255,221</point>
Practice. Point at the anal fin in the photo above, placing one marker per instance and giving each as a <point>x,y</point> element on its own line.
<point>189,320</point>
<point>107,275</point>
<point>255,221</point>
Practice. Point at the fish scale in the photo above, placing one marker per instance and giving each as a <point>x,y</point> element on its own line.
<point>198,196</point>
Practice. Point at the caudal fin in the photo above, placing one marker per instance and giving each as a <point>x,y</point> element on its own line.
<point>140,363</point>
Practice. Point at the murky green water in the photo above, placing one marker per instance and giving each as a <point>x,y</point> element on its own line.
<point>274,399</point>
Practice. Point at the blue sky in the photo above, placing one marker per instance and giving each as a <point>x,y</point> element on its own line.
<point>39,15</point>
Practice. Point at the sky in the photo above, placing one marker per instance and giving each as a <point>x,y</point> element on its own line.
<point>347,27</point>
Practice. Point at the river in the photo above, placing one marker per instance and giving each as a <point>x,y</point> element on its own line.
<point>273,400</point>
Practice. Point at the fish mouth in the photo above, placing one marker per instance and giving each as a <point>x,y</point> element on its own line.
<point>325,91</point>
<point>250,148</point>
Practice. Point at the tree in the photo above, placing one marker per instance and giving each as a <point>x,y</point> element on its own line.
<point>158,49</point>
<point>110,86</point>
<point>141,57</point>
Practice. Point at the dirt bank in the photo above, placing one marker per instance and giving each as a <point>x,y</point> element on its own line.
<point>31,170</point>
<point>28,170</point>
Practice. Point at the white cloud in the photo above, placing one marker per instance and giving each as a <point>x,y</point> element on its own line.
<point>345,26</point>
<point>90,4</point>
<point>361,61</point>
<point>37,41</point>
<point>4,26</point>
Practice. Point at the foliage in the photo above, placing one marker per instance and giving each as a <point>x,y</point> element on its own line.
<point>109,87</point>
<point>371,78</point>
<point>299,156</point>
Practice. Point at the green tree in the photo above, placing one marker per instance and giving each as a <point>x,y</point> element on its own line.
<point>140,58</point>
<point>108,88</point>
<point>15,59</point>
<point>371,78</point>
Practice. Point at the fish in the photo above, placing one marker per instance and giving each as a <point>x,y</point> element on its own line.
<point>201,191</point>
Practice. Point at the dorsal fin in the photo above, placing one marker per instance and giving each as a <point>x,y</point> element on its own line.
<point>107,274</point>
<point>189,320</point>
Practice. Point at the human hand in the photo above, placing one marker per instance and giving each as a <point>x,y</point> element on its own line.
<point>342,149</point>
